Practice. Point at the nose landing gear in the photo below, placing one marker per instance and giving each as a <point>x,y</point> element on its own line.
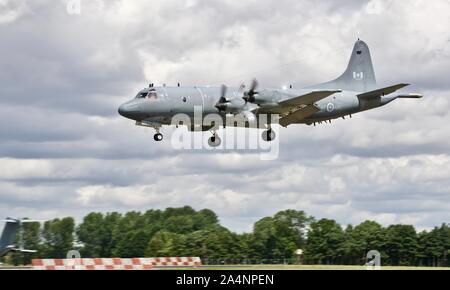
<point>158,137</point>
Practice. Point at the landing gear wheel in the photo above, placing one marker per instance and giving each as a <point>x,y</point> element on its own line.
<point>268,135</point>
<point>214,141</point>
<point>158,137</point>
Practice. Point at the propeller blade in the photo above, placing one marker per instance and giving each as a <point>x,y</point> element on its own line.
<point>224,91</point>
<point>221,104</point>
<point>254,86</point>
<point>249,96</point>
<point>242,87</point>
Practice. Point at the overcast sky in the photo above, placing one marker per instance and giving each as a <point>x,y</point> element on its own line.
<point>64,150</point>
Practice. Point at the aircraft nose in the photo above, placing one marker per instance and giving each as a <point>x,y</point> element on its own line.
<point>127,110</point>
<point>123,110</point>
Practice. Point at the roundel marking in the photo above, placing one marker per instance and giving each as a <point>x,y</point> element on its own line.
<point>330,107</point>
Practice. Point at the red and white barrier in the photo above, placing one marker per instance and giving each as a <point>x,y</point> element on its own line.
<point>176,262</point>
<point>115,263</point>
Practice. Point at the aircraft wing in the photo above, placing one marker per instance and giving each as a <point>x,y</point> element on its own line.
<point>298,115</point>
<point>286,107</point>
<point>381,92</point>
<point>307,99</point>
<point>298,108</point>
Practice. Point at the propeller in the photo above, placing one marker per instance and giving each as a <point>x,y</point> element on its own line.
<point>221,105</point>
<point>242,87</point>
<point>249,96</point>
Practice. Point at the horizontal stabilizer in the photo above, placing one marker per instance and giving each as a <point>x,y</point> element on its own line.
<point>381,92</point>
<point>24,251</point>
<point>10,220</point>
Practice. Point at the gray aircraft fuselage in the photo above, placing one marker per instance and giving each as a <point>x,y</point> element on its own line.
<point>183,100</point>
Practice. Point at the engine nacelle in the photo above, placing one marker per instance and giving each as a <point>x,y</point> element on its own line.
<point>260,98</point>
<point>231,106</point>
<point>244,119</point>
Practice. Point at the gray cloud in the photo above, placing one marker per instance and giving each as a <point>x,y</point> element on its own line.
<point>64,151</point>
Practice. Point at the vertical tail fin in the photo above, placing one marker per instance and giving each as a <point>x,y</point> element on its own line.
<point>359,75</point>
<point>9,234</point>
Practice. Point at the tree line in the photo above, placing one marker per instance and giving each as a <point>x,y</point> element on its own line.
<point>277,239</point>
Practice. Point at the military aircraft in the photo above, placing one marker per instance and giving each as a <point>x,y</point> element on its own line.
<point>9,234</point>
<point>354,91</point>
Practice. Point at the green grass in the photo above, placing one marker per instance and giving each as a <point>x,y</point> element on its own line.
<point>305,267</point>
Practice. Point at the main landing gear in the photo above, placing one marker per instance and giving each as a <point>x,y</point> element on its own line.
<point>158,137</point>
<point>214,141</point>
<point>268,135</point>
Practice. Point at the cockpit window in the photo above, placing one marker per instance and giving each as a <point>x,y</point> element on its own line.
<point>152,95</point>
<point>141,95</point>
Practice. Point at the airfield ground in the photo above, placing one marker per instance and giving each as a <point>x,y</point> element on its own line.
<point>305,267</point>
